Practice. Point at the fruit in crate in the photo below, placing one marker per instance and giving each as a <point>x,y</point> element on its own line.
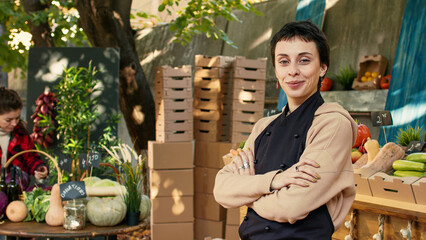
<point>414,165</point>
<point>369,76</point>
<point>355,155</point>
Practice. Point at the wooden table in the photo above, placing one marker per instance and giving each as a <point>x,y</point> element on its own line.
<point>42,230</point>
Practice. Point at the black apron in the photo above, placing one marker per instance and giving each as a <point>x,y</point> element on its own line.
<point>279,146</point>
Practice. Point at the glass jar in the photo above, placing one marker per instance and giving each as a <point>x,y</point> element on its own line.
<point>75,214</point>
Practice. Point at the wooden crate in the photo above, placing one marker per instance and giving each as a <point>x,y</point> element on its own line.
<point>214,72</point>
<point>214,61</point>
<point>207,114</point>
<point>173,104</point>
<point>215,83</point>
<point>173,82</point>
<point>241,61</point>
<point>173,115</point>
<point>249,73</point>
<point>174,125</point>
<point>248,94</point>
<point>168,71</point>
<point>173,93</point>
<point>174,136</point>
<point>241,115</point>
<point>253,84</point>
<point>245,105</point>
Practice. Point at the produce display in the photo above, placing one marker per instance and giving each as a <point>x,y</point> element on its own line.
<point>414,165</point>
<point>369,76</point>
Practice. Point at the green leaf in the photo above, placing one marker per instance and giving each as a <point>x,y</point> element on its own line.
<point>161,7</point>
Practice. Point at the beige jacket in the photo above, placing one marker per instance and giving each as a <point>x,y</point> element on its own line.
<point>328,142</point>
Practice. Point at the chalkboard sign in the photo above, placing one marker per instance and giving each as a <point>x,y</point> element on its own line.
<point>415,146</point>
<point>89,160</point>
<point>381,118</point>
<point>65,162</point>
<point>72,190</point>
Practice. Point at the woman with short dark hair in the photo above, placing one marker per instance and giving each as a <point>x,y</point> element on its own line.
<point>295,172</point>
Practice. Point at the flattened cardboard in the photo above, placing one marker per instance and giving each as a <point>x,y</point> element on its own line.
<point>172,209</point>
<point>174,136</point>
<point>206,228</point>
<point>231,232</point>
<point>390,187</point>
<point>419,190</point>
<point>168,71</point>
<point>170,155</point>
<point>204,179</point>
<point>241,61</point>
<point>206,207</point>
<point>175,231</point>
<point>171,183</point>
<point>209,154</point>
<point>214,61</point>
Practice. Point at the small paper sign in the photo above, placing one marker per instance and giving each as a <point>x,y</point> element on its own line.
<point>89,160</point>
<point>382,118</point>
<point>72,190</point>
<point>65,162</point>
<point>415,146</point>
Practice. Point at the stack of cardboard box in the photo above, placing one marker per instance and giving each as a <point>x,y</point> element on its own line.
<point>171,189</point>
<point>211,99</point>
<point>174,104</point>
<point>248,96</point>
<point>209,215</point>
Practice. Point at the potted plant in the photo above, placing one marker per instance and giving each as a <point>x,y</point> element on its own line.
<point>131,177</point>
<point>405,136</point>
<point>345,77</point>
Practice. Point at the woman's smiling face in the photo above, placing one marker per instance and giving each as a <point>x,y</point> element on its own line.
<point>298,68</point>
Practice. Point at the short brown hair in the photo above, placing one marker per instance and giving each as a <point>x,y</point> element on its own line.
<point>9,100</point>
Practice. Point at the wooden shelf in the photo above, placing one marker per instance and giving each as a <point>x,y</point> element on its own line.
<point>389,207</point>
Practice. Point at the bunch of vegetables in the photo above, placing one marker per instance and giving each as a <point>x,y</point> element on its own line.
<point>44,119</point>
<point>414,165</point>
<point>37,202</point>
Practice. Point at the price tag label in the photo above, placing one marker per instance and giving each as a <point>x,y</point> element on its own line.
<point>65,162</point>
<point>89,160</point>
<point>381,118</point>
<point>415,146</point>
<point>72,190</point>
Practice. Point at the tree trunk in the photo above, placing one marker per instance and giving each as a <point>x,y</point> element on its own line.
<point>41,33</point>
<point>107,24</point>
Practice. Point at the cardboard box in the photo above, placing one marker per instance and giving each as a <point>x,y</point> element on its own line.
<point>208,135</point>
<point>174,114</point>
<point>241,61</point>
<point>215,61</point>
<point>172,209</point>
<point>204,179</point>
<point>178,231</point>
<point>256,106</point>
<point>374,63</point>
<point>248,94</point>
<point>233,216</point>
<point>208,93</point>
<point>214,72</point>
<point>208,103</point>
<point>209,154</point>
<point>168,71</point>
<point>173,93</point>
<point>253,84</point>
<point>239,137</point>
<point>206,228</point>
<point>206,207</point>
<point>419,190</point>
<point>390,187</point>
<point>172,155</point>
<point>171,183</point>
<point>207,114</point>
<point>174,125</point>
<point>174,136</point>
<point>231,232</point>
<point>217,83</point>
<point>241,126</point>
<point>162,104</point>
<point>362,186</point>
<point>249,116</point>
<point>249,73</point>
<point>173,82</point>
<point>213,125</point>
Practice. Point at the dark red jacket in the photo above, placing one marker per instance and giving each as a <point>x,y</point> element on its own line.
<point>20,141</point>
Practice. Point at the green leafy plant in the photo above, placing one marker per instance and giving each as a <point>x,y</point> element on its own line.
<point>345,77</point>
<point>131,166</point>
<point>405,136</point>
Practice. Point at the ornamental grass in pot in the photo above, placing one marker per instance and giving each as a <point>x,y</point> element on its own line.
<point>131,177</point>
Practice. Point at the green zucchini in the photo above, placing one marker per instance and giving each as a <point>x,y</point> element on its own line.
<point>401,173</point>
<point>405,165</point>
<point>416,157</point>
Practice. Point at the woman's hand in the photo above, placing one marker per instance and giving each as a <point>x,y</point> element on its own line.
<point>299,174</point>
<point>243,162</point>
<point>40,172</point>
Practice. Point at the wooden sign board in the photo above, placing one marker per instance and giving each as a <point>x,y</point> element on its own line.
<point>72,190</point>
